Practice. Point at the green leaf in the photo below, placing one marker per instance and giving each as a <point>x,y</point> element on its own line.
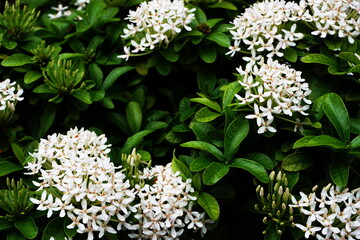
<point>220,38</point>
<point>290,54</point>
<point>337,113</point>
<point>252,167</point>
<point>339,172</point>
<point>82,95</point>
<point>207,102</point>
<point>349,57</point>
<point>230,92</point>
<point>32,76</point>
<point>94,10</point>
<point>319,58</point>
<point>207,53</point>
<point>27,227</point>
<point>70,233</point>
<point>206,80</point>
<point>169,54</point>
<point>96,74</point>
<point>207,147</point>
<point>297,161</point>
<point>214,172</point>
<point>7,167</point>
<point>134,116</point>
<point>114,75</point>
<point>15,235</point>
<point>333,43</point>
<point>236,132</point>
<point>179,166</point>
<point>47,119</point>
<point>54,229</point>
<point>5,224</point>
<point>206,115</point>
<point>199,164</point>
<point>224,5</point>
<point>319,141</point>
<point>263,159</point>
<point>16,60</point>
<point>135,139</point>
<point>18,152</point>
<point>163,66</point>
<point>355,143</point>
<point>44,88</point>
<point>210,205</point>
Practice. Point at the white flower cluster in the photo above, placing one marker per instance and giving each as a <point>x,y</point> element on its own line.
<point>335,17</point>
<point>9,94</point>
<point>64,11</point>
<point>78,180</point>
<point>272,88</point>
<point>165,206</point>
<point>155,23</point>
<point>261,27</point>
<point>332,215</point>
<point>86,186</point>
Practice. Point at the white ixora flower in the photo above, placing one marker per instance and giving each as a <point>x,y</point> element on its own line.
<point>90,189</point>
<point>262,30</point>
<point>334,17</point>
<point>333,215</point>
<point>165,206</point>
<point>154,24</point>
<point>271,88</point>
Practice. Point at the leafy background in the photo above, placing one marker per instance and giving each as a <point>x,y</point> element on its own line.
<point>174,104</point>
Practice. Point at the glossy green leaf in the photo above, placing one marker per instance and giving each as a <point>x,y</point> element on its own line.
<point>236,132</point>
<point>32,76</point>
<point>207,147</point>
<point>82,95</point>
<point>47,119</point>
<point>230,92</point>
<point>15,235</point>
<point>206,115</point>
<point>16,60</point>
<point>290,54</point>
<point>69,232</point>
<point>319,141</point>
<point>169,54</point>
<point>210,205</point>
<point>207,53</point>
<point>263,159</point>
<point>7,167</point>
<point>220,38</point>
<point>5,224</point>
<point>207,102</point>
<point>134,116</point>
<point>224,5</point>
<point>199,164</point>
<point>252,167</point>
<point>18,152</point>
<point>27,227</point>
<point>297,161</point>
<point>319,58</point>
<point>349,57</point>
<point>333,43</point>
<point>163,66</point>
<point>339,172</point>
<point>135,139</point>
<point>355,143</point>
<point>337,113</point>
<point>54,229</point>
<point>214,172</point>
<point>114,75</point>
<point>179,166</point>
<point>96,74</point>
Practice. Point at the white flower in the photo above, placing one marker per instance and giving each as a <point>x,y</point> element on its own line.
<point>261,29</point>
<point>10,94</point>
<point>335,213</point>
<point>156,23</point>
<point>78,167</point>
<point>272,88</point>
<point>62,11</point>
